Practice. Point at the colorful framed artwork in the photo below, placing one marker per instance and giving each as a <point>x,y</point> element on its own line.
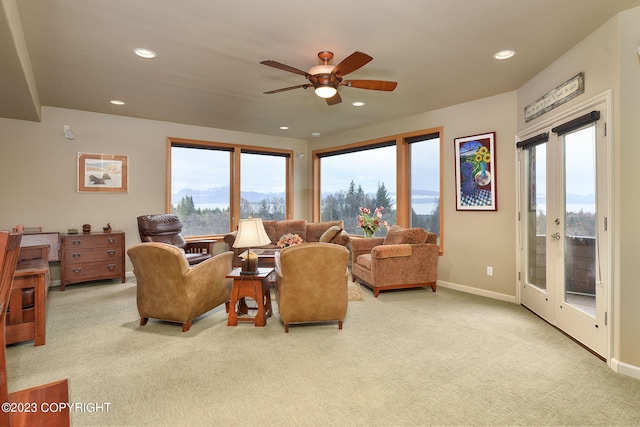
<point>102,173</point>
<point>475,158</point>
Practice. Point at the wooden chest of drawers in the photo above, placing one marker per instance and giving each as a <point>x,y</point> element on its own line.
<point>91,256</point>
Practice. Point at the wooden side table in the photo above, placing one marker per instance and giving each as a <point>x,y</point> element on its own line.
<point>256,287</point>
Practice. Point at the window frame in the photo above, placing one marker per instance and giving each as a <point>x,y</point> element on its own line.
<point>403,173</point>
<point>235,150</point>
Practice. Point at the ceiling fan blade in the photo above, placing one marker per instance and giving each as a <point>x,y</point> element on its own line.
<point>335,99</point>
<point>279,66</point>
<point>351,63</point>
<point>304,86</point>
<point>370,84</point>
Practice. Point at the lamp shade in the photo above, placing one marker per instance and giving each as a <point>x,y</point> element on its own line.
<point>251,233</point>
<point>325,91</point>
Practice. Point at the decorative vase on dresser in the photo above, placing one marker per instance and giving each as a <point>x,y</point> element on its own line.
<point>91,256</point>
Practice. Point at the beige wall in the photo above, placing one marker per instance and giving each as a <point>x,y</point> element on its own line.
<point>472,240</point>
<point>627,149</point>
<point>609,58</point>
<point>39,180</point>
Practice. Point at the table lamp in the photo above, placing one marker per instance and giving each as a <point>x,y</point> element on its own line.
<point>251,233</point>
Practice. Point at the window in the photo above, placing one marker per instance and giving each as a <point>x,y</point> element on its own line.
<point>424,182</point>
<point>371,172</point>
<point>263,186</point>
<point>402,173</point>
<point>202,191</point>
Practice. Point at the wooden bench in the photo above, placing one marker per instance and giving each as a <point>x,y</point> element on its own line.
<point>25,319</point>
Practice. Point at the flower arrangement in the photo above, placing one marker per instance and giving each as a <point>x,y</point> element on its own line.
<point>289,239</point>
<point>371,223</point>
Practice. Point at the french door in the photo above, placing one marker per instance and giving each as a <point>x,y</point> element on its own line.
<point>564,204</point>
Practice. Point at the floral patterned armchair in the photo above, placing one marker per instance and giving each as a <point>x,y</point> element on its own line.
<point>405,258</point>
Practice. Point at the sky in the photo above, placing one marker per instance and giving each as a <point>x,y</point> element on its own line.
<point>367,169</point>
<point>379,166</point>
<point>579,164</point>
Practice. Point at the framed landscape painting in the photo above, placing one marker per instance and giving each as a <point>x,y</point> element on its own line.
<point>102,173</point>
<point>476,173</point>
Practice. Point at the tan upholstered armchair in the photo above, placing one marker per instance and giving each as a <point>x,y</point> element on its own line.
<point>166,228</point>
<point>169,289</point>
<point>406,258</point>
<point>312,283</point>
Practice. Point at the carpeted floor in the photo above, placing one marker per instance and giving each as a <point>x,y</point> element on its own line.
<point>355,291</point>
<point>405,358</point>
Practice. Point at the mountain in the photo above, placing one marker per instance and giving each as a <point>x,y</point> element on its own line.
<point>220,195</point>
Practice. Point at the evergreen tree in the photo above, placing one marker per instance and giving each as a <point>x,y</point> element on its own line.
<point>382,197</point>
<point>186,206</point>
<point>352,201</point>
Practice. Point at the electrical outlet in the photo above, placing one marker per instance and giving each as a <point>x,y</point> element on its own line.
<point>489,271</point>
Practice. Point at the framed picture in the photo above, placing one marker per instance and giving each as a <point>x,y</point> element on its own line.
<point>102,173</point>
<point>475,158</point>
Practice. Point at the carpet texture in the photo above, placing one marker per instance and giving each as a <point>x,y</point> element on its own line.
<point>355,291</point>
<point>410,357</point>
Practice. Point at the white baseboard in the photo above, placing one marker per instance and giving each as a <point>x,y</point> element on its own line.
<point>476,291</point>
<point>625,369</point>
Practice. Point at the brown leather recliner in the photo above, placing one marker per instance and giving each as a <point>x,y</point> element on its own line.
<point>312,283</point>
<point>166,228</point>
<point>169,289</point>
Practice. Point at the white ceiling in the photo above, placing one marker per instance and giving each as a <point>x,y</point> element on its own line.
<point>78,54</point>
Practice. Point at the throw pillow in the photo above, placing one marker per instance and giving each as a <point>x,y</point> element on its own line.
<point>330,234</point>
<point>398,235</point>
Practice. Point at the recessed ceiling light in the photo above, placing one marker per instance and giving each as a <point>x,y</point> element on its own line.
<point>117,102</point>
<point>357,104</point>
<point>284,127</point>
<point>504,54</point>
<point>144,53</point>
<point>315,134</point>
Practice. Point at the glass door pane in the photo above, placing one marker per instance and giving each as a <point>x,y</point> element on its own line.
<point>536,216</point>
<point>580,220</point>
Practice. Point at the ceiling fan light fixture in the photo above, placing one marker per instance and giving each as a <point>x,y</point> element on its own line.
<point>326,91</point>
<point>321,69</point>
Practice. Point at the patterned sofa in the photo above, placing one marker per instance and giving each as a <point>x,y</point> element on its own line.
<point>327,232</point>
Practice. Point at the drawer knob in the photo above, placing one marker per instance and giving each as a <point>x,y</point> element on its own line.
<point>76,270</point>
<point>76,255</point>
<point>111,266</point>
<point>111,252</point>
<point>76,242</point>
<point>111,240</point>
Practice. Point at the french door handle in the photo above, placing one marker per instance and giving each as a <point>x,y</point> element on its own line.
<point>555,236</point>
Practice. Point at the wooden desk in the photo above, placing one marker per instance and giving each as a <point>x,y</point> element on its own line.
<point>26,324</point>
<point>256,287</point>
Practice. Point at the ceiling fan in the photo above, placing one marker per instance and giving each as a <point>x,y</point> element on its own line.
<point>326,78</point>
